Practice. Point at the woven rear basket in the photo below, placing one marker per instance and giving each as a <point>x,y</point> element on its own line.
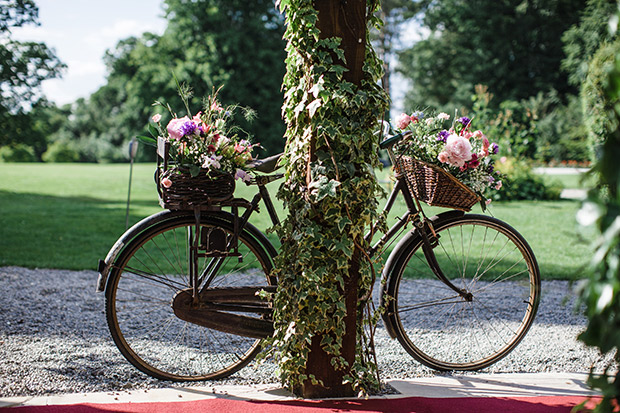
<point>436,187</point>
<point>187,192</point>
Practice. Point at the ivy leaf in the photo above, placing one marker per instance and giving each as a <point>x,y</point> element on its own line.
<point>313,106</point>
<point>324,188</point>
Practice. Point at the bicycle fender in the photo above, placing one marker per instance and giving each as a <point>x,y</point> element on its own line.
<point>391,262</point>
<point>104,265</point>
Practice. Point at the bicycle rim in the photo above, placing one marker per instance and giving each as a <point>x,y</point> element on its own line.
<point>441,329</point>
<point>146,277</point>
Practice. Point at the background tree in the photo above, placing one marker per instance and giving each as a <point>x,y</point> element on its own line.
<point>512,46</point>
<point>23,66</point>
<point>394,15</point>
<point>207,44</point>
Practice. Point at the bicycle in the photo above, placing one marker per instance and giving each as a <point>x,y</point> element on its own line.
<point>181,287</point>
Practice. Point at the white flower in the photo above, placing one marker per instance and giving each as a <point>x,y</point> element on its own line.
<point>243,175</point>
<point>212,161</point>
<point>443,116</point>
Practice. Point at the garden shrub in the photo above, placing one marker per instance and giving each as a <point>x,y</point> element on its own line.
<point>521,183</point>
<point>542,128</point>
<point>61,151</point>
<point>18,152</point>
<point>599,120</point>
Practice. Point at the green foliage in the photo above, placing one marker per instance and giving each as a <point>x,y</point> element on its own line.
<point>601,294</point>
<point>512,46</point>
<point>17,152</point>
<point>521,183</point>
<point>61,151</point>
<point>330,192</point>
<point>207,43</point>
<point>23,66</point>
<point>583,39</point>
<point>600,120</point>
<point>540,128</point>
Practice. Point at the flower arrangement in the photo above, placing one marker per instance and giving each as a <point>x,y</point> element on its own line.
<point>204,143</point>
<point>464,153</point>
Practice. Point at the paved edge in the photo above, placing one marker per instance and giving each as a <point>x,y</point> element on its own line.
<point>480,385</point>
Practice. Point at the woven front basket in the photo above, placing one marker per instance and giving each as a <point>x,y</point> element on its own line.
<point>436,187</point>
<point>188,192</point>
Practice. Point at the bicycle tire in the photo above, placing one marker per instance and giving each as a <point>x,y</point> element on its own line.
<point>144,279</point>
<point>444,331</point>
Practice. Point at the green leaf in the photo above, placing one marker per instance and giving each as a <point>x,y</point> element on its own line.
<point>194,170</point>
<point>147,140</point>
<point>313,106</point>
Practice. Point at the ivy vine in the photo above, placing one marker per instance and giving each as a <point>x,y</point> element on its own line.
<point>330,191</point>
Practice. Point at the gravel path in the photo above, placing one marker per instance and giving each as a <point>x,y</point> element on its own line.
<point>54,339</point>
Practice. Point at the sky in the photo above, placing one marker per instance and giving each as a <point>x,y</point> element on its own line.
<point>80,31</point>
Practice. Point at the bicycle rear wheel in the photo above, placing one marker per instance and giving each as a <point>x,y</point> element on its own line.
<point>443,330</point>
<point>143,282</point>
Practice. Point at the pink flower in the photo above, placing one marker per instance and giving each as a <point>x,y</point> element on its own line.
<point>498,185</point>
<point>216,106</point>
<point>403,121</point>
<point>166,183</point>
<point>458,150</point>
<point>240,148</point>
<point>175,127</point>
<point>487,202</point>
<point>156,118</point>
<point>443,116</point>
<point>443,157</point>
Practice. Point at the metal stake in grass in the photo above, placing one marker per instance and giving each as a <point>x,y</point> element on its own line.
<point>133,148</point>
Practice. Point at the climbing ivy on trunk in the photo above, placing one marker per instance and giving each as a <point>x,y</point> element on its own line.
<point>330,191</point>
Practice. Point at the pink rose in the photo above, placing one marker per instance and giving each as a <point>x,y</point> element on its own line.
<point>458,150</point>
<point>443,157</point>
<point>175,127</point>
<point>166,183</point>
<point>403,121</point>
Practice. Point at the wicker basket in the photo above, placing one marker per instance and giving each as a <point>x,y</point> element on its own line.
<point>187,191</point>
<point>436,187</point>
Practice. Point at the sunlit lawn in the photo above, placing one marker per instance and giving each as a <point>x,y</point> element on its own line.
<point>68,216</point>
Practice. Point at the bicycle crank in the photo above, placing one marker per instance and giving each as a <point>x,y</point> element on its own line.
<point>226,309</point>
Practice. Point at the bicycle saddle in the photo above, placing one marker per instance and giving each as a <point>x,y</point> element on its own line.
<point>266,165</point>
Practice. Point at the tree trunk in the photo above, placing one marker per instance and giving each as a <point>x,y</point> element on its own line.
<point>346,20</point>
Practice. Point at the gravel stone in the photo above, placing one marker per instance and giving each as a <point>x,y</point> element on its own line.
<point>54,339</point>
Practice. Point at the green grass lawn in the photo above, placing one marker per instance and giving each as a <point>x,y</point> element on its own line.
<point>69,215</point>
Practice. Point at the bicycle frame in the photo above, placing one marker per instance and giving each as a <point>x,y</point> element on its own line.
<point>414,214</point>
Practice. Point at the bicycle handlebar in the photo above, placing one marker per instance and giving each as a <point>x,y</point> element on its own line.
<point>394,139</point>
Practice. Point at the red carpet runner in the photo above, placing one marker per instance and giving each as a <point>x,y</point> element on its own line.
<point>562,404</point>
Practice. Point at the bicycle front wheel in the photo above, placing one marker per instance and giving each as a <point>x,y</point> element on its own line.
<point>445,331</point>
<point>150,272</point>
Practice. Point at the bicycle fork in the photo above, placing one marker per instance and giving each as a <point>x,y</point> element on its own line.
<point>430,240</point>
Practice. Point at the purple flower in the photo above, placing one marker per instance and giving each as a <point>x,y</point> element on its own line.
<point>494,148</point>
<point>418,114</point>
<point>443,136</point>
<point>188,128</point>
<point>464,120</point>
